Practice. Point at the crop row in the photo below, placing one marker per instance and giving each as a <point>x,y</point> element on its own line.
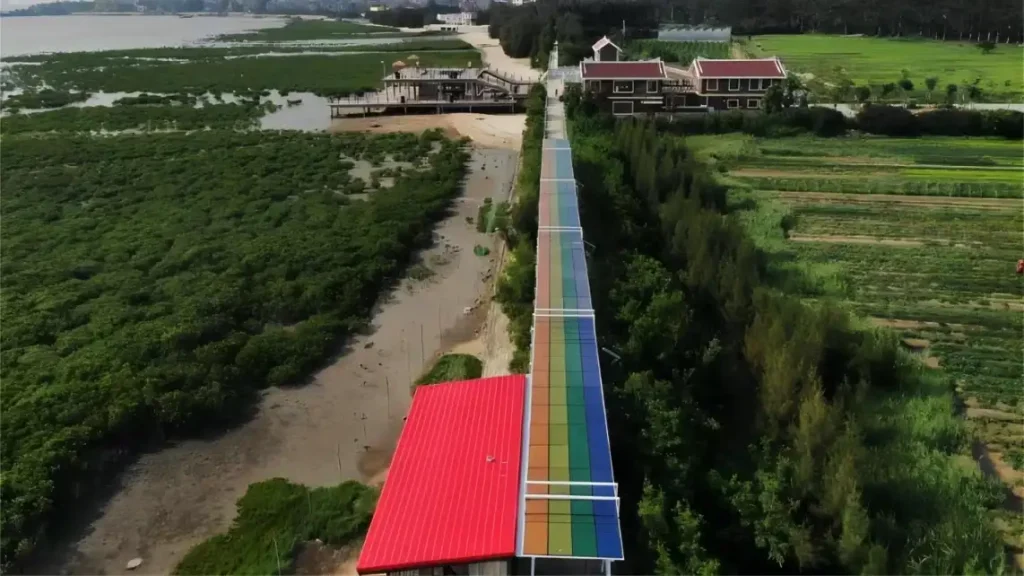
<point>866,169</point>
<point>885,186</point>
<point>988,228</point>
<point>961,149</point>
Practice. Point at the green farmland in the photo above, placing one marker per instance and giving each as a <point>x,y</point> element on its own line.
<point>929,252</point>
<point>877,61</point>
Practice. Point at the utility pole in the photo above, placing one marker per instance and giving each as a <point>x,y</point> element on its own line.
<point>408,365</point>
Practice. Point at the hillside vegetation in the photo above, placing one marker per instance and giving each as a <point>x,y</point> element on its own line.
<point>152,284</point>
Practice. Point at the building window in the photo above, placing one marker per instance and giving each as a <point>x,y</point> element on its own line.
<point>652,87</point>
<point>622,87</point>
<point>622,108</point>
<point>753,103</point>
<point>734,85</point>
<point>710,85</point>
<point>732,103</point>
<point>704,101</point>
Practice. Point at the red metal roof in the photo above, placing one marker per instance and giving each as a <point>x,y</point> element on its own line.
<point>759,68</point>
<point>653,70</point>
<point>452,492</point>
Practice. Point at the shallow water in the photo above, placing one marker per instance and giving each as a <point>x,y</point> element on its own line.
<point>307,111</point>
<point>37,34</point>
<point>311,114</point>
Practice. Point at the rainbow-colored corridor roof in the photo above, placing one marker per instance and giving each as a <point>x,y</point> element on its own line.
<point>570,499</point>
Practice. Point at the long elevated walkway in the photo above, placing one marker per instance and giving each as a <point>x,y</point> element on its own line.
<point>570,498</point>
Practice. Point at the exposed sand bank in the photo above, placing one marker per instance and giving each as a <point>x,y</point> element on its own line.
<point>486,130</point>
<point>341,426</point>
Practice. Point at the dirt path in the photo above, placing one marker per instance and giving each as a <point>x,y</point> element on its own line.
<point>855,240</point>
<point>493,55</point>
<point>318,434</point>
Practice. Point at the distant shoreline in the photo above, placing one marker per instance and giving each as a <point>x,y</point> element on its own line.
<point>206,14</point>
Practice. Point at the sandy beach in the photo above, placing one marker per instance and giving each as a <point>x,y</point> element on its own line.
<point>343,425</point>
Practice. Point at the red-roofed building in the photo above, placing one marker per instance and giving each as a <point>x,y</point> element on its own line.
<point>452,493</point>
<point>627,88</point>
<point>727,84</point>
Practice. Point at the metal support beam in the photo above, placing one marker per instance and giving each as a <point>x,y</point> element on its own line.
<point>571,497</point>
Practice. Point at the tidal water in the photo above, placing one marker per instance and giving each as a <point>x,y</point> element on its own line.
<point>39,34</point>
<point>47,34</point>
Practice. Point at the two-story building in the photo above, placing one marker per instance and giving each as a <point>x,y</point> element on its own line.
<point>729,84</point>
<point>629,87</point>
<point>649,86</point>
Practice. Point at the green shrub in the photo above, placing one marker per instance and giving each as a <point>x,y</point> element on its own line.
<point>452,367</point>
<point>274,518</point>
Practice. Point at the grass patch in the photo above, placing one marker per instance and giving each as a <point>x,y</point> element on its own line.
<point>299,29</point>
<point>274,518</point>
<point>1015,457</point>
<point>876,61</point>
<point>452,367</point>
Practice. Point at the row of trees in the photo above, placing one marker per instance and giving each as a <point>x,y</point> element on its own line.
<point>994,20</point>
<point>747,427</point>
<point>530,29</point>
<point>410,17</point>
<point>516,286</point>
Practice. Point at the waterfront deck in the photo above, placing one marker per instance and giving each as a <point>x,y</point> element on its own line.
<point>389,105</point>
<point>414,90</point>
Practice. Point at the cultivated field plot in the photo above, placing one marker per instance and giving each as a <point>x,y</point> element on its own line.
<point>922,236</point>
<point>876,61</point>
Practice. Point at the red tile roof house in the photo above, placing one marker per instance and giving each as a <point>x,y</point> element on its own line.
<point>729,84</point>
<point>627,88</point>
